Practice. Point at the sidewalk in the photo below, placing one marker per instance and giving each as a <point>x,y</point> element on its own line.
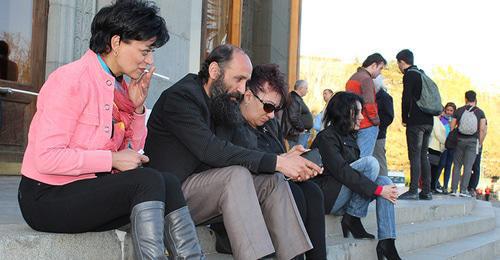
<point>11,214</point>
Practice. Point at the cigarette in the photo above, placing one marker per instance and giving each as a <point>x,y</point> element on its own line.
<point>158,75</point>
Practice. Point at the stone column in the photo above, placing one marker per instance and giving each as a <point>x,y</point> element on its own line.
<point>68,31</point>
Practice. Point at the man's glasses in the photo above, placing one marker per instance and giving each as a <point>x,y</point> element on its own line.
<point>268,107</point>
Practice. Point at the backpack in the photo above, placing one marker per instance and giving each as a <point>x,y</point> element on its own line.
<point>468,122</point>
<point>430,100</point>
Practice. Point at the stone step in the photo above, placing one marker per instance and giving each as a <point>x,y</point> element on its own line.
<point>418,235</point>
<point>18,241</point>
<point>480,246</point>
<point>441,207</point>
<point>15,240</point>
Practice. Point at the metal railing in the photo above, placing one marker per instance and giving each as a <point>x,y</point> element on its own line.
<point>8,90</point>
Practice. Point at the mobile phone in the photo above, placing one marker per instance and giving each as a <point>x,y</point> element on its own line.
<point>314,156</point>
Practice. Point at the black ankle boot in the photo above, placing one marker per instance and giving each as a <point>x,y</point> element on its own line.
<point>222,243</point>
<point>387,249</point>
<point>353,224</point>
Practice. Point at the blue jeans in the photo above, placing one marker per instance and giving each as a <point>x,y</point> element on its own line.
<point>366,140</point>
<point>356,205</point>
<point>445,162</point>
<point>303,138</point>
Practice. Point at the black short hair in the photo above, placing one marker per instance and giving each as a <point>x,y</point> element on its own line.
<point>131,20</point>
<point>221,54</point>
<point>450,104</point>
<point>406,56</point>
<point>341,111</point>
<point>470,96</point>
<point>374,58</point>
<point>271,74</point>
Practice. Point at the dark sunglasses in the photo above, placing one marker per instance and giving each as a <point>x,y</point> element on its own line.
<point>268,107</point>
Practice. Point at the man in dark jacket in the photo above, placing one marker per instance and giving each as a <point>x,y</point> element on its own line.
<point>386,115</point>
<point>418,129</point>
<point>181,140</point>
<point>300,119</point>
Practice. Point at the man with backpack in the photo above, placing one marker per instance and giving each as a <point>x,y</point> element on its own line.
<point>471,123</point>
<point>419,104</point>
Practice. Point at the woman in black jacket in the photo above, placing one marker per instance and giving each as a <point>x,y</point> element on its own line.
<point>266,93</point>
<point>350,183</point>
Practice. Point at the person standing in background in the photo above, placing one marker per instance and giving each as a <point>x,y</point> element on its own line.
<point>418,128</point>
<point>446,158</point>
<point>361,83</point>
<point>471,123</point>
<point>386,114</point>
<point>436,147</point>
<point>318,119</point>
<point>299,119</point>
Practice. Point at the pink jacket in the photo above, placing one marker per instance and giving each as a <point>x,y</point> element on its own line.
<point>72,124</point>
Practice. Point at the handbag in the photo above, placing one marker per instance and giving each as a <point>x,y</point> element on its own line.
<point>452,139</point>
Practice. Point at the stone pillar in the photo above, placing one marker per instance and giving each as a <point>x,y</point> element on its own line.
<point>266,31</point>
<point>181,54</point>
<point>68,31</point>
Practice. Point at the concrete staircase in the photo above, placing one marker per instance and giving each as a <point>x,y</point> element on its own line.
<point>444,228</point>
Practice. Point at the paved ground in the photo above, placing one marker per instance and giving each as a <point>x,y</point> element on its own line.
<point>8,200</point>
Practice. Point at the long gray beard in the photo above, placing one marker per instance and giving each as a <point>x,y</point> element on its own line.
<point>224,106</point>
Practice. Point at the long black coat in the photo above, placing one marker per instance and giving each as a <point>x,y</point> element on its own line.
<point>385,112</point>
<point>181,138</point>
<point>338,152</point>
<point>297,117</point>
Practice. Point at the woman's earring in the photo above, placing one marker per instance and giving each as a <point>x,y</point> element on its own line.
<point>115,53</point>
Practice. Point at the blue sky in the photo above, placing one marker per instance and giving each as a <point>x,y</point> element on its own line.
<point>463,34</point>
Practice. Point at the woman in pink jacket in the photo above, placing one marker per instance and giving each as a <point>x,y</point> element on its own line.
<point>82,167</point>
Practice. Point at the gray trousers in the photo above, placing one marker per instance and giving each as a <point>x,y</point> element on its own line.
<point>259,211</point>
<point>465,154</point>
<point>379,154</point>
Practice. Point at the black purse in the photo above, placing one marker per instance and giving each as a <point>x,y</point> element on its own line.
<point>452,139</point>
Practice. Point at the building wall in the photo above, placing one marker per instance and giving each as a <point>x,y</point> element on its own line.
<point>69,34</point>
<point>181,54</point>
<point>266,31</point>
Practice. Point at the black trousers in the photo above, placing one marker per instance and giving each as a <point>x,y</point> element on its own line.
<point>436,155</point>
<point>309,199</point>
<point>98,204</point>
<point>476,171</point>
<point>417,139</point>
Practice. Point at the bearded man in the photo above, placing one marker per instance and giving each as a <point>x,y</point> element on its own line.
<point>258,211</point>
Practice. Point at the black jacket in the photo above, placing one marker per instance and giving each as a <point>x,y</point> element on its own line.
<point>298,117</point>
<point>338,152</point>
<point>412,89</point>
<point>266,138</point>
<point>181,138</point>
<point>385,112</point>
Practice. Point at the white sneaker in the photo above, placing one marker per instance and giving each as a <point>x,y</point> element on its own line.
<point>465,194</point>
<point>454,193</point>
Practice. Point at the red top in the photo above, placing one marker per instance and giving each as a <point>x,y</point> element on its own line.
<point>361,83</point>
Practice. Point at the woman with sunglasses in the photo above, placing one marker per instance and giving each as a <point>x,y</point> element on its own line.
<point>349,182</point>
<point>82,167</point>
<point>266,93</point>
